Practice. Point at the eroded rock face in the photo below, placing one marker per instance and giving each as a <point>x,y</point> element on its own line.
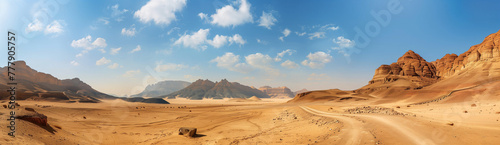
<point>409,65</point>
<point>279,92</point>
<point>487,50</point>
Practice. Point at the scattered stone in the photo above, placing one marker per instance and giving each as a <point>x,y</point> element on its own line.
<point>465,111</point>
<point>187,131</point>
<point>84,117</point>
<point>30,109</point>
<point>473,105</point>
<point>451,124</point>
<point>376,109</point>
<point>4,106</point>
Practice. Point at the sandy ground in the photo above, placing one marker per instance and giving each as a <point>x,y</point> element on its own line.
<point>270,121</point>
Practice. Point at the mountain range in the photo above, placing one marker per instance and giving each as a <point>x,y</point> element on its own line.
<point>162,88</point>
<point>36,85</point>
<point>39,86</point>
<point>201,89</point>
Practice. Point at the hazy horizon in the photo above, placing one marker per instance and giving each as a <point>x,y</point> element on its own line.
<point>121,47</point>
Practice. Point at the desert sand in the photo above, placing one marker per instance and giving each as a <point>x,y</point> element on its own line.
<point>270,121</point>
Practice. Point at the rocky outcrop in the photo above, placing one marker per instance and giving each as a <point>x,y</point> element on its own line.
<point>409,66</point>
<point>218,90</point>
<point>279,92</point>
<point>33,117</point>
<point>162,88</point>
<point>300,91</point>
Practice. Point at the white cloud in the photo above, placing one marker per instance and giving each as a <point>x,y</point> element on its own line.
<point>79,55</point>
<point>172,30</point>
<point>102,61</point>
<point>104,20</point>
<point>301,34</point>
<point>237,39</point>
<point>116,12</point>
<point>115,50</point>
<point>345,47</point>
<point>218,41</point>
<point>74,63</point>
<point>34,26</point>
<point>54,27</point>
<point>289,64</point>
<point>317,60</point>
<point>316,35</point>
<point>343,42</point>
<point>113,66</point>
<point>263,62</point>
<point>318,77</point>
<point>138,48</point>
<point>259,60</point>
<point>203,16</point>
<point>131,73</point>
<point>100,42</point>
<point>86,44</point>
<point>281,54</point>
<point>162,12</point>
<point>170,66</point>
<point>102,50</point>
<point>261,41</point>
<point>229,16</point>
<point>286,32</point>
<point>231,62</point>
<point>267,20</point>
<point>197,40</point>
<point>194,40</point>
<point>330,27</point>
<point>128,32</point>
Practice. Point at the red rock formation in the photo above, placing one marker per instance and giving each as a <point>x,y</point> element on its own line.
<point>409,65</point>
<point>487,50</point>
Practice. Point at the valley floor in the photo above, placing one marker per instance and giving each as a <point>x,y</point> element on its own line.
<point>265,122</point>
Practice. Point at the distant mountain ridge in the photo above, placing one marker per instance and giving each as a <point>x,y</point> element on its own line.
<point>279,92</point>
<point>41,86</point>
<point>162,88</point>
<point>224,89</point>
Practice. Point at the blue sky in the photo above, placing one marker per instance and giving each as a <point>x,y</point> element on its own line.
<point>119,47</point>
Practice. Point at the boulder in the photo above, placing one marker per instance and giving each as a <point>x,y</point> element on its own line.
<point>187,131</point>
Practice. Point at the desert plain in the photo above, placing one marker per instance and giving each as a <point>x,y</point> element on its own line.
<point>268,121</point>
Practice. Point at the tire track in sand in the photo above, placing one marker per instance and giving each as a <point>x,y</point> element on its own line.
<point>353,134</point>
<point>403,130</point>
